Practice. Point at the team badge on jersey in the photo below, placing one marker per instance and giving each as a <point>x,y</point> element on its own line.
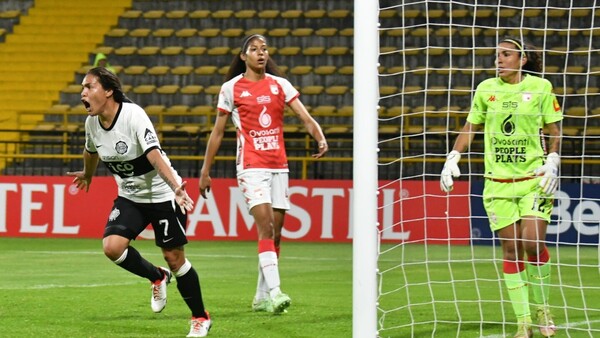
<point>149,137</point>
<point>526,97</point>
<point>274,89</point>
<point>121,147</point>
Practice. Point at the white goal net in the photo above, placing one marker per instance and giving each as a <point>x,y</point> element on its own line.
<point>439,266</point>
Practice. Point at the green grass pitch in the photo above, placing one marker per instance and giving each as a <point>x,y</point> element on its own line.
<point>67,288</point>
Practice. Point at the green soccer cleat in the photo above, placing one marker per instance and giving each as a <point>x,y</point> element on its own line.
<point>524,329</point>
<point>280,303</point>
<point>262,305</point>
<point>545,322</point>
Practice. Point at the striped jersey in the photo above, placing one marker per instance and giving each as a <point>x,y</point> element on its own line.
<point>256,109</point>
<point>122,147</point>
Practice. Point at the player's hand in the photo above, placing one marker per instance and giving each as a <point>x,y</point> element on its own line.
<point>81,181</point>
<point>549,173</point>
<point>183,199</point>
<point>205,183</point>
<point>450,170</point>
<point>323,148</point>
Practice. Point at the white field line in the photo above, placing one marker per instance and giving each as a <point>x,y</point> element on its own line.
<point>559,327</point>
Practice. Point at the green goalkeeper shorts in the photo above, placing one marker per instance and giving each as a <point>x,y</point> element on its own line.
<point>507,203</point>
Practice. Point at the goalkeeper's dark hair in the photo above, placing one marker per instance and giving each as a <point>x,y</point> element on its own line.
<point>110,81</point>
<point>534,56</point>
<point>238,66</point>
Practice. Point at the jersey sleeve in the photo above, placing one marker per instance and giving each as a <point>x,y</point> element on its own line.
<point>225,102</point>
<point>144,130</point>
<point>90,147</point>
<point>478,107</point>
<point>550,106</point>
<point>291,93</point>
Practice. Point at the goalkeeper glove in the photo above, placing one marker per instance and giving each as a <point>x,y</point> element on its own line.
<point>549,173</point>
<point>450,170</point>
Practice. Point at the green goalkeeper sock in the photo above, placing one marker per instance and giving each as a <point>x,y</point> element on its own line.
<point>518,292</point>
<point>539,280</point>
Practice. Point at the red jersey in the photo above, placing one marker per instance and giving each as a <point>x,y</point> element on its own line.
<point>256,109</point>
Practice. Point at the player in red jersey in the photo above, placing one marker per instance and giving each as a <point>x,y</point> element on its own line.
<point>254,96</point>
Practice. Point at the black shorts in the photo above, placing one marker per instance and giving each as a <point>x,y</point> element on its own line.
<point>129,219</point>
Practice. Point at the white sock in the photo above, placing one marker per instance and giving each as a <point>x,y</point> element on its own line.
<point>270,270</point>
<point>262,290</point>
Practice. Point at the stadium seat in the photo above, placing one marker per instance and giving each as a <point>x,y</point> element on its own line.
<point>191,89</point>
<point>387,90</point>
<point>222,14</point>
<point>291,14</point>
<point>117,32</point>
<point>186,32</point>
<point>336,90</point>
<point>337,50</point>
<point>325,70</point>
<point>178,109</point>
<point>140,32</point>
<point>301,70</point>
<point>144,89</point>
<point>132,14</point>
<point>182,70</point>
<point>176,14</point>
<point>314,13</point>
<point>199,14</point>
<point>163,32</point>
<point>158,70</point>
<point>346,70</point>
<point>218,50</point>
<point>253,31</point>
<point>312,90</point>
<point>279,32</point>
<point>171,50</point>
<point>232,32</point>
<point>213,90</point>
<point>338,13</point>
<point>302,32</point>
<point>206,70</point>
<point>148,50</point>
<point>153,14</point>
<point>289,50</point>
<point>125,50</point>
<point>313,50</point>
<point>245,14</point>
<point>349,31</point>
<point>268,14</point>
<point>154,109</point>
<point>209,32</point>
<point>328,32</point>
<point>195,50</point>
<point>135,70</point>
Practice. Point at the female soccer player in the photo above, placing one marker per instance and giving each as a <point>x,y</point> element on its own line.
<point>521,173</point>
<point>120,134</point>
<point>255,95</point>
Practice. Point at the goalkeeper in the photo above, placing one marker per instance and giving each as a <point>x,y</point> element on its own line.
<point>521,173</point>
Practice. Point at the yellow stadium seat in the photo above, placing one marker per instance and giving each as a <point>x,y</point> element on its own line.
<point>140,32</point>
<point>279,32</point>
<point>182,70</point>
<point>125,50</point>
<point>291,14</point>
<point>268,14</point>
<point>148,50</point>
<point>313,50</point>
<point>213,90</point>
<point>176,14</point>
<point>338,13</point>
<point>331,31</point>
<point>144,89</point>
<point>153,14</point>
<point>245,14</point>
<point>117,32</point>
<point>336,90</point>
<point>314,13</point>
<point>158,70</point>
<point>302,32</point>
<point>289,50</point>
<point>337,50</point>
<point>301,69</point>
<point>219,50</point>
<point>199,14</point>
<point>191,89</point>
<point>312,90</point>
<point>171,50</point>
<point>206,70</point>
<point>346,70</point>
<point>186,32</point>
<point>132,14</point>
<point>154,109</point>
<point>222,14</point>
<point>195,50</point>
<point>209,32</point>
<point>135,70</point>
<point>178,109</point>
<point>163,32</point>
<point>325,70</point>
<point>232,32</point>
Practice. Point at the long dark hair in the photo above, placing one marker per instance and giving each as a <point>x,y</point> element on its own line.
<point>238,66</point>
<point>534,56</point>
<point>110,81</point>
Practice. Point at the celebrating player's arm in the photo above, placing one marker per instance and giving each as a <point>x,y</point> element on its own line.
<point>312,127</point>
<point>83,178</point>
<point>451,169</point>
<point>163,170</point>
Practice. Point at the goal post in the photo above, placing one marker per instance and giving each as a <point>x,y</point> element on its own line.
<point>364,204</point>
<point>425,263</point>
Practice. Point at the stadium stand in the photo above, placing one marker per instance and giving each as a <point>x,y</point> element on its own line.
<point>172,55</point>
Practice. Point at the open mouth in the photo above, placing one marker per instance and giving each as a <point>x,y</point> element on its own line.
<point>86,105</point>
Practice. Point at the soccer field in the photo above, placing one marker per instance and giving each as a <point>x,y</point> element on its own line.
<point>67,288</point>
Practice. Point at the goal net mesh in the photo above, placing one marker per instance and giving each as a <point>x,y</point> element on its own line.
<point>439,264</point>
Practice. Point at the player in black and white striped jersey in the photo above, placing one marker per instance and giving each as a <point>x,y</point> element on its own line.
<point>120,134</point>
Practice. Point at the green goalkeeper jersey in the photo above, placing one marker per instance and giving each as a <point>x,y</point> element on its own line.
<point>514,116</point>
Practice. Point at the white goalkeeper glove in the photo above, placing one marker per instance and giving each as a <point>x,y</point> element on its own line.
<point>549,173</point>
<point>450,170</point>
